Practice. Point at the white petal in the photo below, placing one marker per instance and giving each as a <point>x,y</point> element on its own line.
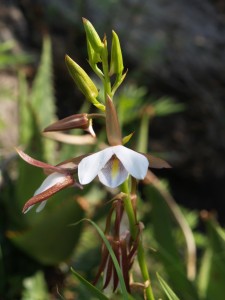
<point>41,206</point>
<point>135,163</point>
<point>29,208</point>
<point>90,166</point>
<point>112,178</point>
<point>51,180</point>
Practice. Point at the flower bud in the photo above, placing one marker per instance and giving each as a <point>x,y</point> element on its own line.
<point>116,63</point>
<point>93,57</point>
<point>80,121</point>
<point>83,82</point>
<point>92,36</point>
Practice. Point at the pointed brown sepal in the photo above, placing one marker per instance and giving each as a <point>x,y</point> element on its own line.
<point>105,256</point>
<point>125,264</point>
<point>75,121</point>
<point>69,180</point>
<point>38,163</point>
<point>112,124</point>
<point>72,163</point>
<point>108,272</point>
<point>65,167</point>
<point>156,162</point>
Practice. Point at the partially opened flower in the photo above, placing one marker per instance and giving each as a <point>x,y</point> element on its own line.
<point>60,177</point>
<point>112,165</point>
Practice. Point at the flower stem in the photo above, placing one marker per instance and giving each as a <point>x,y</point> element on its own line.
<point>134,231</point>
<point>105,67</point>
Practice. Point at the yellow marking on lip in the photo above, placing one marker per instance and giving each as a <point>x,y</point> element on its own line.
<point>115,167</point>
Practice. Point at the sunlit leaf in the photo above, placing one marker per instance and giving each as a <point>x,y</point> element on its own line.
<point>114,259</point>
<point>35,288</point>
<point>167,289</point>
<point>92,289</point>
<point>50,239</point>
<point>168,250</point>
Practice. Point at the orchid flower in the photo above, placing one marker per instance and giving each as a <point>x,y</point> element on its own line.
<point>60,177</point>
<point>113,164</point>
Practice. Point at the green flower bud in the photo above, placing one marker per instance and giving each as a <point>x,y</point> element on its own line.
<point>93,57</point>
<point>83,82</point>
<point>81,78</point>
<point>92,36</point>
<point>116,63</point>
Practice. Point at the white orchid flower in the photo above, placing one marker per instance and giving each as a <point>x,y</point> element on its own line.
<point>112,165</point>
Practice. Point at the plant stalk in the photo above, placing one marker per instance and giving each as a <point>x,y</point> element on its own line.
<point>134,231</point>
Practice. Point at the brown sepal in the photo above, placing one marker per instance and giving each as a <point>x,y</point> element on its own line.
<point>74,121</point>
<point>69,180</point>
<point>112,124</point>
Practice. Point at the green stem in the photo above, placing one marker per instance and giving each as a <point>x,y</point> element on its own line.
<point>105,67</point>
<point>134,231</point>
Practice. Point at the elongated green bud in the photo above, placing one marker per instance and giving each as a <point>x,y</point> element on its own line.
<point>116,63</point>
<point>92,36</point>
<point>81,78</point>
<point>83,82</point>
<point>93,57</point>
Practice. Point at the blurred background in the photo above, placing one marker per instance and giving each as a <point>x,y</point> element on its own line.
<point>173,50</point>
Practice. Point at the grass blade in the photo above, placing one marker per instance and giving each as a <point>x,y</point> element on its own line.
<point>169,292</point>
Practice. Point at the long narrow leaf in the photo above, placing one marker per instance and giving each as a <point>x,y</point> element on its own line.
<point>93,290</point>
<point>214,288</point>
<point>169,292</point>
<point>114,259</point>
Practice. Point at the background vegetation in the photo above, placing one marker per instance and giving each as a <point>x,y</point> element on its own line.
<point>175,72</point>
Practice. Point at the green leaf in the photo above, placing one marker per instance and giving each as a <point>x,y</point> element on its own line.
<point>35,288</point>
<point>93,290</point>
<point>212,284</point>
<point>42,95</point>
<point>204,272</point>
<point>165,106</point>
<point>42,98</point>
<point>114,259</point>
<point>167,247</point>
<point>50,239</point>
<point>127,138</point>
<point>169,292</point>
<point>25,114</point>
